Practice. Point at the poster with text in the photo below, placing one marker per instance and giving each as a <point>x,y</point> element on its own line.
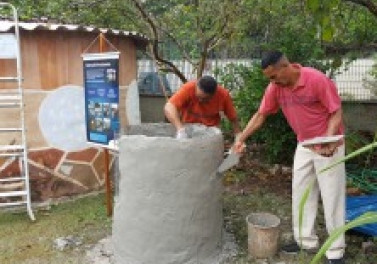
<point>101,82</point>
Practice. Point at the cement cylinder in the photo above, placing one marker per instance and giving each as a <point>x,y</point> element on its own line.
<point>169,206</point>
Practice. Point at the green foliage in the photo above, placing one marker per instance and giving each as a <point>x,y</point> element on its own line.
<point>302,46</point>
<point>107,13</point>
<point>320,11</point>
<point>342,22</point>
<point>370,82</point>
<point>354,154</point>
<point>247,86</point>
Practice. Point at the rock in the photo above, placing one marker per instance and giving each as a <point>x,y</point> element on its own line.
<point>276,169</point>
<point>287,237</point>
<point>286,170</point>
<point>262,261</point>
<point>368,247</point>
<point>62,243</point>
<point>353,191</point>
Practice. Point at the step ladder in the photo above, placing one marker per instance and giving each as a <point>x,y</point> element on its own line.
<point>14,189</point>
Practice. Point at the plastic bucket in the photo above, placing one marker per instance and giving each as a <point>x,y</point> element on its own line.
<point>263,234</point>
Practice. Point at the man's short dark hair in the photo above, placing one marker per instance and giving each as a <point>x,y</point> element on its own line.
<point>270,58</point>
<point>207,84</point>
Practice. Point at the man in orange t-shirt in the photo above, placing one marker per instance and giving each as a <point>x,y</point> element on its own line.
<point>200,101</point>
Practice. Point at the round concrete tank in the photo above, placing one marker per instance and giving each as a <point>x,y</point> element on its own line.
<point>169,206</point>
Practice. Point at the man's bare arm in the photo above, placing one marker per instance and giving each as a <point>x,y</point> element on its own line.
<point>172,114</point>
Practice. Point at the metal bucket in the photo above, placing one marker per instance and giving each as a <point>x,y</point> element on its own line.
<point>263,234</point>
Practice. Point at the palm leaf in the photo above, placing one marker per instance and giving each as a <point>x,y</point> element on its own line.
<point>366,218</point>
<point>350,156</point>
<point>302,203</point>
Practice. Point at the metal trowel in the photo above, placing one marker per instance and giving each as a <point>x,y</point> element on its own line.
<point>231,160</point>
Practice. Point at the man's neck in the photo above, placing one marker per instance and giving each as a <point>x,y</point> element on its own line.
<point>295,76</point>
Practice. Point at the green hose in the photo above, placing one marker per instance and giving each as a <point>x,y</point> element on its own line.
<point>362,178</point>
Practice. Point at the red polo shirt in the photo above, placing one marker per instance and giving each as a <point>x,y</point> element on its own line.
<point>307,106</point>
<point>207,113</point>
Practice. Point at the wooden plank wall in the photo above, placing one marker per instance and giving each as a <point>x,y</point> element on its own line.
<point>51,59</point>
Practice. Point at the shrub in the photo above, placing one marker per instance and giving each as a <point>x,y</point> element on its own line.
<point>370,81</point>
<point>247,85</point>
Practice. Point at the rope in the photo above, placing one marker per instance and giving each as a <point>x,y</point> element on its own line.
<point>101,35</point>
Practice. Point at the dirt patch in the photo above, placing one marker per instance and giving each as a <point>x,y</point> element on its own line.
<point>253,174</point>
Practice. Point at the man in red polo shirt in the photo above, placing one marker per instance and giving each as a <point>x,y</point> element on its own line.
<point>312,107</point>
<point>200,101</point>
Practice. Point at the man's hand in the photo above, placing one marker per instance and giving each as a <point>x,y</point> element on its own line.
<point>181,133</point>
<point>238,147</point>
<point>325,150</point>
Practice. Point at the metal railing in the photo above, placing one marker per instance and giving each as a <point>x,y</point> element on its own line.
<point>354,80</point>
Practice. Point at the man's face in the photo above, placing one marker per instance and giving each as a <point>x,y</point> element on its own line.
<point>202,96</point>
<point>278,74</point>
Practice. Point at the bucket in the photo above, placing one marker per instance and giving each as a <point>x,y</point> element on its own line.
<point>263,234</point>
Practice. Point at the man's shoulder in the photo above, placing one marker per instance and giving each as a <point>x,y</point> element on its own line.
<point>187,88</point>
<point>221,90</point>
<point>310,72</point>
<point>190,84</point>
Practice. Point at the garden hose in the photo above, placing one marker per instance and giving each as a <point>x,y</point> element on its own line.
<point>362,178</point>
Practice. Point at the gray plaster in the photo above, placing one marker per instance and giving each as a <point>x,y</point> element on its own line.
<point>169,207</point>
<point>133,104</point>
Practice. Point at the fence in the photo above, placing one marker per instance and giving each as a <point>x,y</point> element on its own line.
<point>353,80</point>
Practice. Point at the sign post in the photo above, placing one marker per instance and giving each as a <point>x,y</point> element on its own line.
<point>101,83</point>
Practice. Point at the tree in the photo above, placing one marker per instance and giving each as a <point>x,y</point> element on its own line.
<point>368,4</point>
<point>327,13</point>
<point>196,27</point>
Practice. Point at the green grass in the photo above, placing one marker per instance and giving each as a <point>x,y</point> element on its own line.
<point>23,241</point>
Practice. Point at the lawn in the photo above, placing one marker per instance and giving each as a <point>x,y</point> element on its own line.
<point>23,241</point>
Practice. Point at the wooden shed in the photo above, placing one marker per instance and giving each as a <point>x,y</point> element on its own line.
<point>61,163</point>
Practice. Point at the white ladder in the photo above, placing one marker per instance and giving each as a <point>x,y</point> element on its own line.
<point>14,190</point>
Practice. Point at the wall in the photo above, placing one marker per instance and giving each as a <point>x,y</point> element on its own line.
<point>151,108</point>
<point>360,115</point>
<point>53,88</point>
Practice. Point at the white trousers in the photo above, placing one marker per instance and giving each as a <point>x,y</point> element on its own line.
<point>331,185</point>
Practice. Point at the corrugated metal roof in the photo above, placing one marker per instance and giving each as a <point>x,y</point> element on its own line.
<point>6,26</point>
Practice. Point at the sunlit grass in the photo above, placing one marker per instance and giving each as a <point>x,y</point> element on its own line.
<point>22,240</point>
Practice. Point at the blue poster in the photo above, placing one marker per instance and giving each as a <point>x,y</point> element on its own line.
<point>101,82</point>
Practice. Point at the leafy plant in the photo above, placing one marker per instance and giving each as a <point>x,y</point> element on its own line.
<point>366,218</point>
<point>370,82</point>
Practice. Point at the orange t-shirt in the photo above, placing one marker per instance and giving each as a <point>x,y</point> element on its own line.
<point>207,113</point>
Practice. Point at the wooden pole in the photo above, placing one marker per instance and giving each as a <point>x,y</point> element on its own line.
<point>109,195</point>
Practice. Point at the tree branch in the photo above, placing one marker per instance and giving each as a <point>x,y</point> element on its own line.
<point>179,45</point>
<point>155,41</point>
<point>343,49</point>
<point>368,4</point>
<point>203,59</point>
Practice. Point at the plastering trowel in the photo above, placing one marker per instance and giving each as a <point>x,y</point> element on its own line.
<point>231,160</point>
